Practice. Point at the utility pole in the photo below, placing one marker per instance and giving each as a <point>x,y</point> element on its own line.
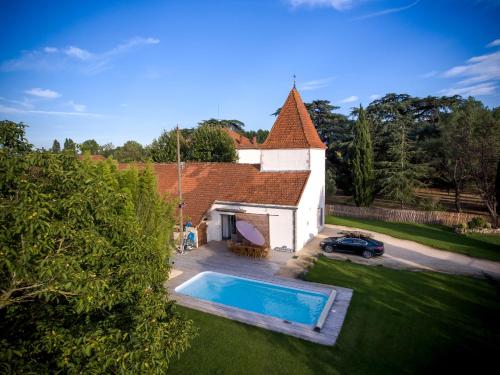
<point>181,203</point>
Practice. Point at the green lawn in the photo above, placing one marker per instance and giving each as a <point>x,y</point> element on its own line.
<point>399,322</point>
<point>437,236</point>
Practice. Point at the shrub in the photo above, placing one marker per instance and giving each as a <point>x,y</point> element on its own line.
<point>477,223</point>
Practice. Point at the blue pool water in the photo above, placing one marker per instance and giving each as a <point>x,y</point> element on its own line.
<point>282,302</point>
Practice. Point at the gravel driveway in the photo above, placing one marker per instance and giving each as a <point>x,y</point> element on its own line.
<point>401,254</point>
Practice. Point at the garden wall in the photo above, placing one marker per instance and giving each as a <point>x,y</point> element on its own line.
<point>402,216</point>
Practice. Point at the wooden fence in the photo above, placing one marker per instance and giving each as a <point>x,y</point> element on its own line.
<point>402,216</point>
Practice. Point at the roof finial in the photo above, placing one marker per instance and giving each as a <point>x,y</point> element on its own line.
<point>294,76</point>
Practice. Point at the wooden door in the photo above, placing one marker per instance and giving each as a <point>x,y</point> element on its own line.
<point>202,234</point>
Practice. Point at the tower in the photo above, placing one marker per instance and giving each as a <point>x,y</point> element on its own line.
<point>294,145</point>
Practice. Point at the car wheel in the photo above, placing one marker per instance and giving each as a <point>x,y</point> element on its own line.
<point>328,249</point>
<point>367,254</point>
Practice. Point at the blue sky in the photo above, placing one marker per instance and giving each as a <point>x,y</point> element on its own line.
<point>121,70</point>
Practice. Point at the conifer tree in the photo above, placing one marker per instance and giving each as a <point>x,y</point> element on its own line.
<point>398,175</point>
<point>56,146</point>
<point>362,162</point>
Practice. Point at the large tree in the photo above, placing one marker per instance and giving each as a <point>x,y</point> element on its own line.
<point>90,146</point>
<point>455,141</point>
<point>398,175</point>
<point>422,116</point>
<point>85,253</point>
<point>260,135</point>
<point>336,131</point>
<point>235,125</point>
<point>210,143</point>
<point>164,148</point>
<point>107,150</point>
<point>130,151</point>
<point>485,153</point>
<point>362,162</point>
<point>70,146</point>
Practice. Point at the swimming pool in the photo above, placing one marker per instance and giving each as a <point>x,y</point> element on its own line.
<point>287,303</point>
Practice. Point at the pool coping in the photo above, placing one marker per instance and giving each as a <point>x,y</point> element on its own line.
<point>328,333</point>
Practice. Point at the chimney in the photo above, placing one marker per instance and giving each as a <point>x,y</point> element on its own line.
<point>254,140</point>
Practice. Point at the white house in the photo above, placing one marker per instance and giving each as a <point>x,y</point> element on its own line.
<point>279,185</point>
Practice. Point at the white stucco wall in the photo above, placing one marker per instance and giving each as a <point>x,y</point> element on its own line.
<point>285,160</point>
<point>248,156</point>
<point>280,223</point>
<point>309,224</point>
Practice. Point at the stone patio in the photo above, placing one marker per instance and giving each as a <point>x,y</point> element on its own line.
<point>215,256</point>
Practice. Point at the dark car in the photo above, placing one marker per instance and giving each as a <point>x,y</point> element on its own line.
<point>366,247</point>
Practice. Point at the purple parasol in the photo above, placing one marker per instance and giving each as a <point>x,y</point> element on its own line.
<point>251,233</point>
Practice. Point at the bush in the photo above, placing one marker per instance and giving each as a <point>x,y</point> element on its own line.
<point>477,223</point>
<point>84,256</point>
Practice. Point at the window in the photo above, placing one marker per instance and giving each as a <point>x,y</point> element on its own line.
<point>228,226</point>
<point>359,242</point>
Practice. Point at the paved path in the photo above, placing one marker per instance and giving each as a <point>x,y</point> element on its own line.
<point>403,254</point>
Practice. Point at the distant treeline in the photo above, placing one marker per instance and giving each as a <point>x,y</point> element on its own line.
<point>206,142</point>
<point>402,142</point>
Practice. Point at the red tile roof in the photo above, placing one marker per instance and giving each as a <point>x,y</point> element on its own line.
<point>293,127</point>
<point>205,183</point>
<point>240,141</point>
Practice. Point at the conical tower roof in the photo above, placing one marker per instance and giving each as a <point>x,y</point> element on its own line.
<point>293,128</point>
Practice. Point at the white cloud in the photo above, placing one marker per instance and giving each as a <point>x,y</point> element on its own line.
<point>349,99</point>
<point>14,110</point>
<point>50,50</point>
<point>78,53</point>
<point>23,103</point>
<point>487,88</point>
<point>386,11</point>
<point>336,4</point>
<point>430,74</point>
<point>77,107</point>
<point>375,96</point>
<point>494,43</point>
<point>477,69</point>
<point>479,75</point>
<point>43,93</point>
<point>316,84</point>
<point>73,57</point>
